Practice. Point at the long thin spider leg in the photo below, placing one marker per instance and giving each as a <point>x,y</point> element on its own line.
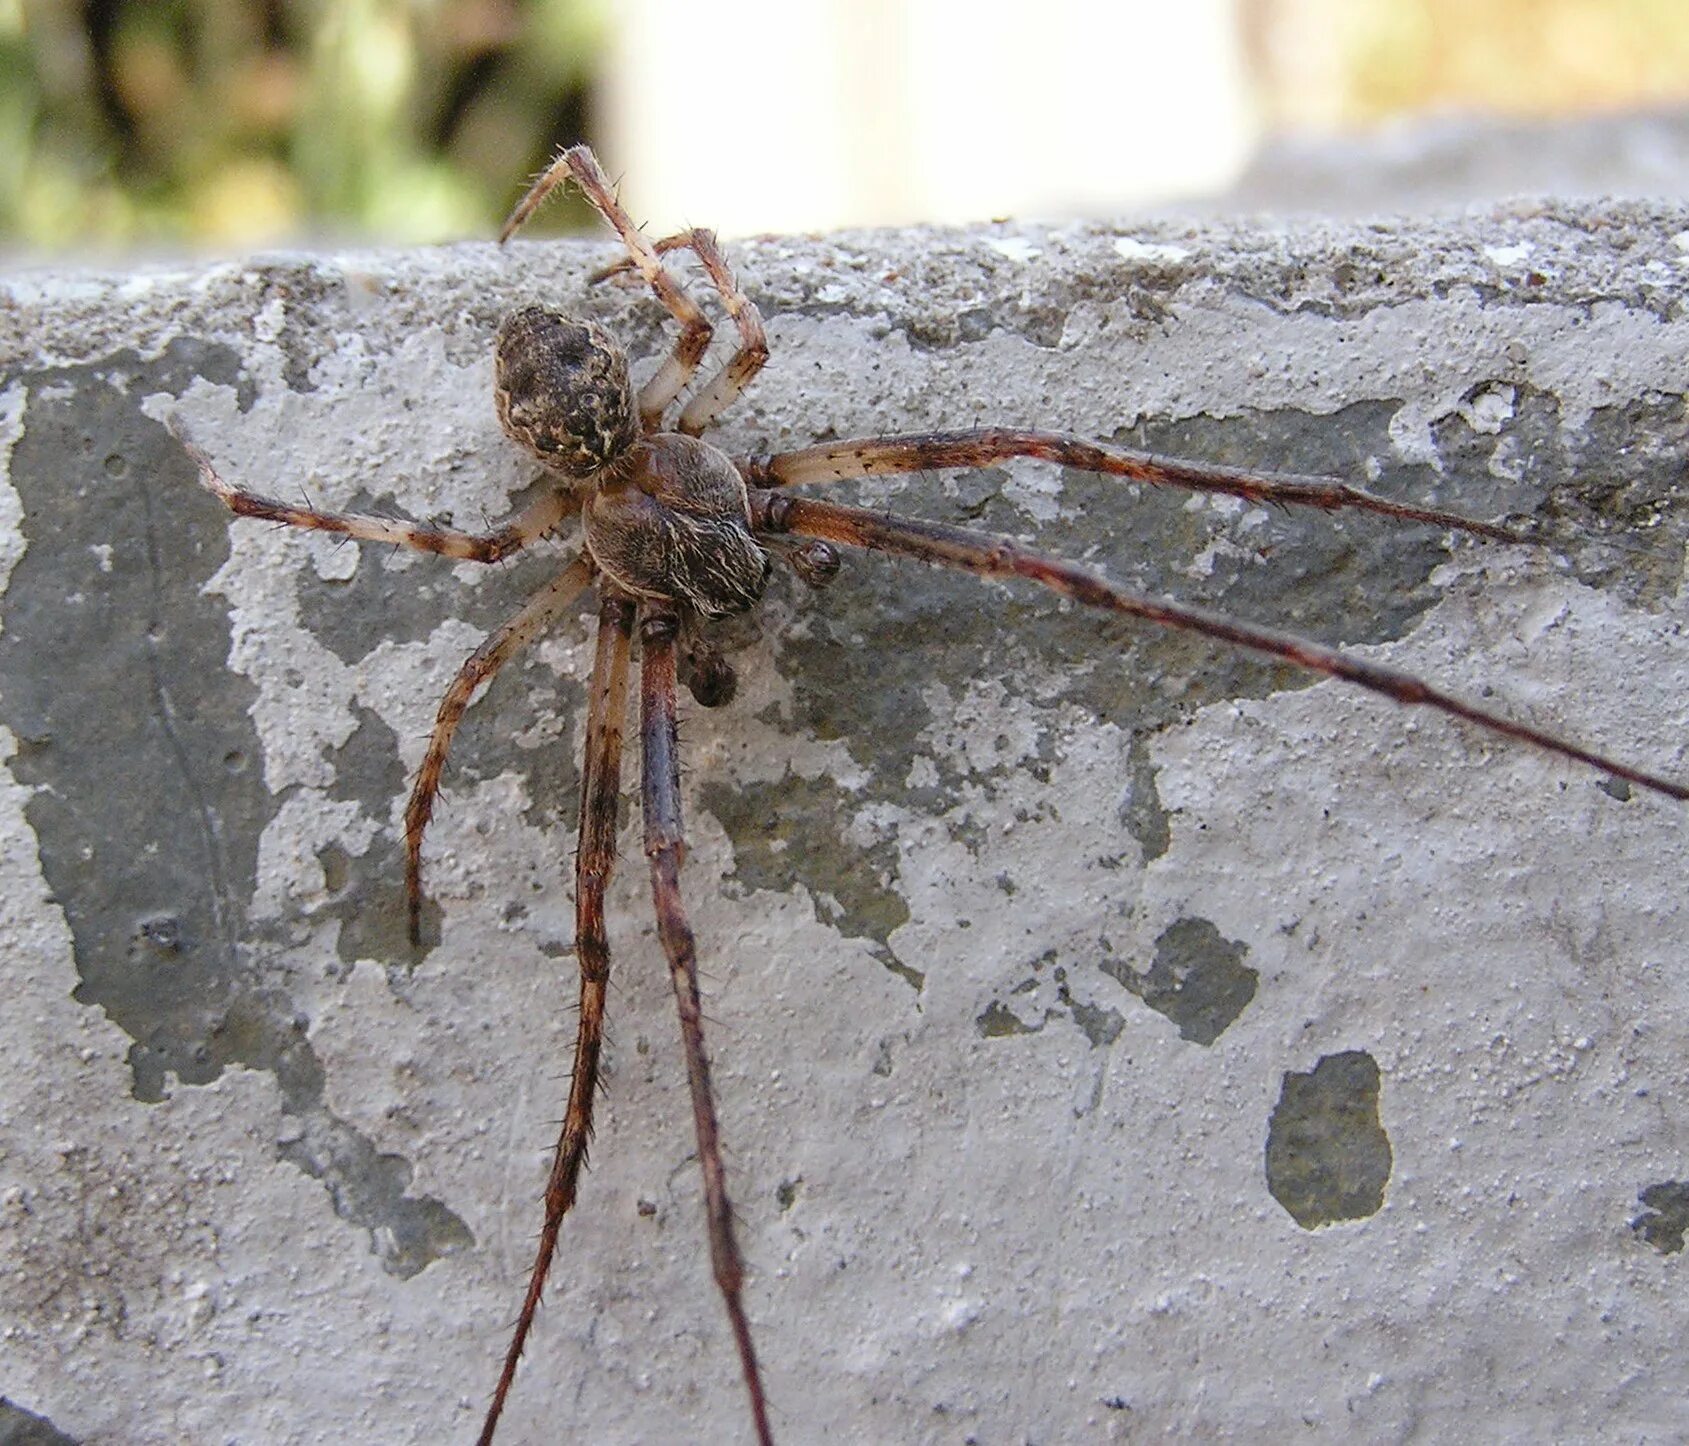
<point>719,393</point>
<point>580,165</point>
<point>665,847</point>
<point>601,775</point>
<point>924,451</point>
<point>497,648</point>
<point>724,387</point>
<point>527,526</point>
<point>680,241</point>
<point>988,556</point>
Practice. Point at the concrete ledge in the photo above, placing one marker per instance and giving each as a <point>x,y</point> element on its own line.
<point>1114,1038</point>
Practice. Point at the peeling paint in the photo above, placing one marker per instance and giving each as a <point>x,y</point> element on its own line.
<point>1197,979</point>
<point>1328,1158</point>
<point>1665,1217</point>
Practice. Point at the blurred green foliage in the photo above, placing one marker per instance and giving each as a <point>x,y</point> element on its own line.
<point>229,123</point>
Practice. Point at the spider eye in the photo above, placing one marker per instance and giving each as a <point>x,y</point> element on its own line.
<point>561,387</point>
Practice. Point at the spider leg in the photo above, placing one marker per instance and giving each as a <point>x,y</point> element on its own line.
<point>924,451</point>
<point>680,241</point>
<point>665,847</point>
<point>580,165</point>
<point>601,775</point>
<point>532,523</point>
<point>497,648</point>
<point>724,387</point>
<point>988,556</point>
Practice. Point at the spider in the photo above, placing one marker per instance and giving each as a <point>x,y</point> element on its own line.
<point>677,534</point>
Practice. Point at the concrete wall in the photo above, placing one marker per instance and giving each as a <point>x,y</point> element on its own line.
<point>1114,1037</point>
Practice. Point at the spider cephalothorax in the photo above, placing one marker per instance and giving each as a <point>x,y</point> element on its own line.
<point>676,531</point>
<point>670,518</point>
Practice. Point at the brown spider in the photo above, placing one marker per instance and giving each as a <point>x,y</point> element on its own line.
<point>678,533</point>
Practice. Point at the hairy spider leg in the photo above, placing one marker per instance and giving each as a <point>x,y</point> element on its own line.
<point>723,389</point>
<point>595,860</point>
<point>665,847</point>
<point>933,451</point>
<point>580,165</point>
<point>526,527</point>
<point>497,648</point>
<point>720,392</point>
<point>680,241</point>
<point>998,557</point>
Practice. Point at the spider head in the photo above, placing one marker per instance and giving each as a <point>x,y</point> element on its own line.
<point>562,391</point>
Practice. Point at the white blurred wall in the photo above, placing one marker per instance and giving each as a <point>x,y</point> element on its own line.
<point>782,115</point>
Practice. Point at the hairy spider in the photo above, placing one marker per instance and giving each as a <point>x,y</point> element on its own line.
<point>677,534</point>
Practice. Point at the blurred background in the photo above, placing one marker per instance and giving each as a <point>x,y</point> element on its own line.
<point>229,124</point>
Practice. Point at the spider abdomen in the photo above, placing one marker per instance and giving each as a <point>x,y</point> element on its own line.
<point>671,520</point>
<point>561,389</point>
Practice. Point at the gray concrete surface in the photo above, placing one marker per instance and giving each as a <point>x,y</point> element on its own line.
<point>1114,1038</point>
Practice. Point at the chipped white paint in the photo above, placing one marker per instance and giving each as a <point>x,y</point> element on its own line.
<point>1509,255</point>
<point>1130,249</point>
<point>1016,248</point>
<point>1489,410</point>
<point>1504,938</point>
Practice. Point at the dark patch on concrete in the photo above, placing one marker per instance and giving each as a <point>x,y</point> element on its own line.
<point>1663,1222</point>
<point>868,650</point>
<point>1618,502</point>
<point>1045,979</point>
<point>862,658</point>
<point>998,1021</point>
<point>1100,1025</point>
<point>383,604</point>
<point>146,774</point>
<point>807,818</point>
<point>19,1427</point>
<point>1328,1158</point>
<point>367,764</point>
<point>860,666</point>
<point>113,674</point>
<point>369,1188</point>
<point>393,596</point>
<point>1336,579</point>
<point>882,1065</point>
<point>1198,979</point>
<point>398,596</point>
<point>1141,811</point>
<point>367,891</point>
<point>535,703</point>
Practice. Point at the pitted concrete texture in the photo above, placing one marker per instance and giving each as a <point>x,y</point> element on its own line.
<point>1022,928</point>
